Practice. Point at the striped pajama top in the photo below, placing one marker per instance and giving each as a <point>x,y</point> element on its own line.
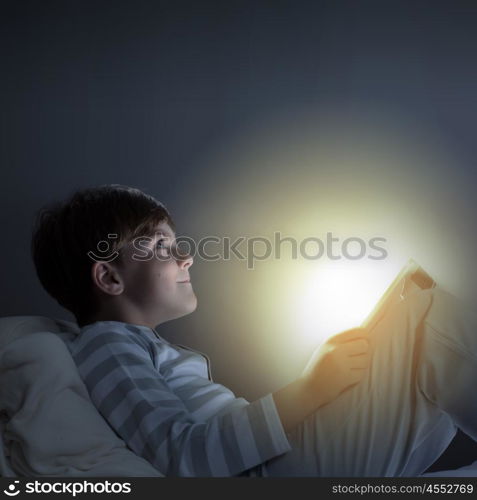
<point>160,399</point>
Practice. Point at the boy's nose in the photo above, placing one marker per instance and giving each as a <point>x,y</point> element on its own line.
<point>185,261</point>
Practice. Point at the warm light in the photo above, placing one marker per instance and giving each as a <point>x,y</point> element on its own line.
<point>332,171</point>
<point>339,295</point>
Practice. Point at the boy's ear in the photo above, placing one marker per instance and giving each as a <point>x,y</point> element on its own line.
<point>106,277</point>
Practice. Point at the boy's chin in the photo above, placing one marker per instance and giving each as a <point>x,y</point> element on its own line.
<point>192,306</point>
<point>185,310</point>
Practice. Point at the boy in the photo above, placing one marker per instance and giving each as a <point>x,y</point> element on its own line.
<point>392,417</point>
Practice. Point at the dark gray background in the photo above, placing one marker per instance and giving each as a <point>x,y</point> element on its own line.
<point>145,93</point>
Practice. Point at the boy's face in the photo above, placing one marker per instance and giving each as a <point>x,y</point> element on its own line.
<point>158,289</point>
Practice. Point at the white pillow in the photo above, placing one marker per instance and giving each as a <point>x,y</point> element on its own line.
<point>50,426</point>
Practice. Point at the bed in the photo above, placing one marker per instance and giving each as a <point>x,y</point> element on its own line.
<point>48,424</point>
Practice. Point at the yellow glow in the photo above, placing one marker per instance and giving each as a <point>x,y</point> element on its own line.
<point>339,295</point>
<point>348,175</point>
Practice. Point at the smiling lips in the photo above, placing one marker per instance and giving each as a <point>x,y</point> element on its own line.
<point>185,281</point>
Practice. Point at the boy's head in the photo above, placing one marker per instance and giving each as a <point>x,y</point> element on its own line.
<point>108,253</point>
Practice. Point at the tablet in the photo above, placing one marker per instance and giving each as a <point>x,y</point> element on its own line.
<point>411,278</point>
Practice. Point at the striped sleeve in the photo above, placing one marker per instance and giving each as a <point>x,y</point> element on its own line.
<point>139,405</point>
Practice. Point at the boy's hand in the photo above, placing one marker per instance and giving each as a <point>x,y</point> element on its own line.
<point>339,363</point>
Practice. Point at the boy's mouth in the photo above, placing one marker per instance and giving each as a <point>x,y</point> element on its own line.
<point>185,281</point>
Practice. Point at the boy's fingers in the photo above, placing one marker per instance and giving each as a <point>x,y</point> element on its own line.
<point>351,334</point>
<point>360,362</point>
<point>356,347</point>
<point>357,375</point>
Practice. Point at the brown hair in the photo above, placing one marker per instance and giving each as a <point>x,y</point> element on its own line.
<point>64,233</point>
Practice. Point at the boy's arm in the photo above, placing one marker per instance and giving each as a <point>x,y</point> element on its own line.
<point>137,402</point>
